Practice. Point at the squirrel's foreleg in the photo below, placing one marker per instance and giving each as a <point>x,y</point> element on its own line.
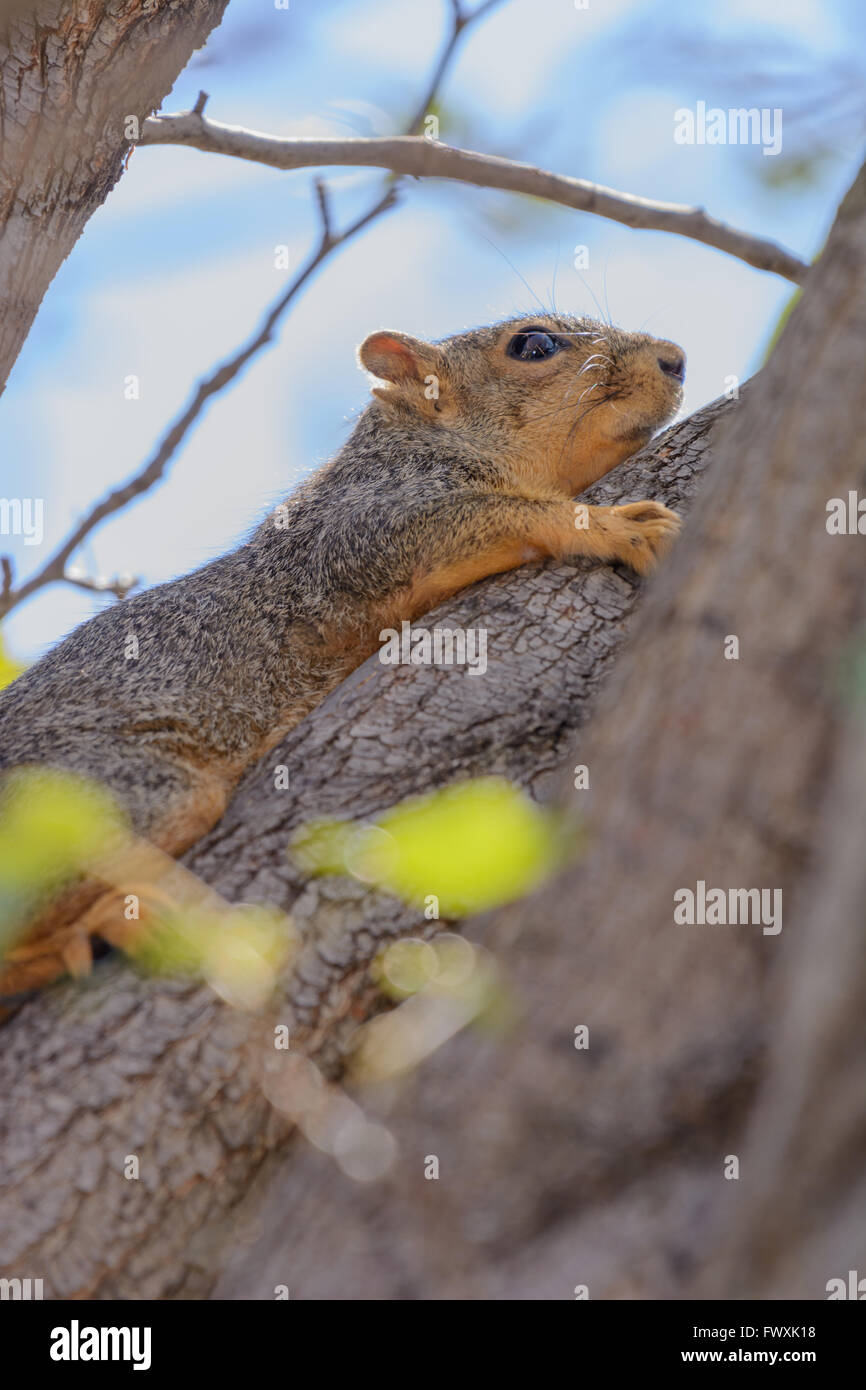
<point>500,532</point>
<point>636,534</point>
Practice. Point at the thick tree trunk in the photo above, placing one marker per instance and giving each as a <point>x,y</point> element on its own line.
<point>71,73</point>
<point>559,1167</point>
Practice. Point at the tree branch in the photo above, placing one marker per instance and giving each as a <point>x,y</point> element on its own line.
<point>385,733</point>
<point>55,570</point>
<point>461,20</point>
<point>71,78</point>
<point>558,1167</point>
<point>120,586</point>
<point>419,157</point>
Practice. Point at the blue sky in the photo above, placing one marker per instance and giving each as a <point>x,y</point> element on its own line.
<point>178,266</point>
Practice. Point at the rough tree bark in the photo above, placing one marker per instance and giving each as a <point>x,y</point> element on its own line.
<point>606,1167</point>
<point>558,1167</point>
<point>167,1071</point>
<point>71,73</point>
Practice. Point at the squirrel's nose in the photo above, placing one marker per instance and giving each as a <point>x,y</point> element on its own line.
<point>673,364</point>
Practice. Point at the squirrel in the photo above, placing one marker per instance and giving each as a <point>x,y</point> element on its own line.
<point>465,464</point>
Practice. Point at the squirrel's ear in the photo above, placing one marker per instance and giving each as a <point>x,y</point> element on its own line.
<point>396,357</point>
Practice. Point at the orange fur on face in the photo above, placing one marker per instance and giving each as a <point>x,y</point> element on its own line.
<point>563,422</point>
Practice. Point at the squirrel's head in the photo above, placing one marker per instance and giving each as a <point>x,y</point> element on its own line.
<point>560,400</point>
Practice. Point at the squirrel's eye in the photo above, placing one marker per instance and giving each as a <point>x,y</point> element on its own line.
<point>532,346</point>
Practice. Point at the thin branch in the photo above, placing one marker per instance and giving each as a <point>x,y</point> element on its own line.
<point>458,24</point>
<point>422,158</point>
<point>119,586</point>
<point>6,567</point>
<point>323,198</point>
<point>55,570</point>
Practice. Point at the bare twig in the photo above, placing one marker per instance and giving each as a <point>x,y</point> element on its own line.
<point>55,570</point>
<point>6,567</point>
<point>459,22</point>
<point>120,586</point>
<point>323,199</point>
<point>423,158</point>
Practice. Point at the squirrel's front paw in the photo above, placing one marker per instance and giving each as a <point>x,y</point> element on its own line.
<point>642,532</point>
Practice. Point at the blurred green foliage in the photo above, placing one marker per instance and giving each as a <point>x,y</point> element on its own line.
<point>780,324</point>
<point>472,845</point>
<point>53,823</point>
<point>850,680</point>
<point>9,669</point>
<point>797,172</point>
<point>239,950</point>
<point>55,826</point>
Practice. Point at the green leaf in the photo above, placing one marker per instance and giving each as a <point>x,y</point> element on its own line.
<point>9,670</point>
<point>52,824</point>
<point>472,846</point>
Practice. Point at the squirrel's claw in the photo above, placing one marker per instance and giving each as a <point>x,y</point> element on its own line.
<point>646,531</point>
